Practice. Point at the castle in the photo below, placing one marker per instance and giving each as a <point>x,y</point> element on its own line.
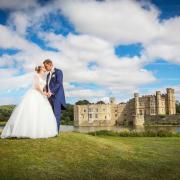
<point>131,112</point>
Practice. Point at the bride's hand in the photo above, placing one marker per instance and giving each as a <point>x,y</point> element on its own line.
<point>45,93</point>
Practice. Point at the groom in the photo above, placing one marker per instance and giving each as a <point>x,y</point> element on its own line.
<point>55,90</point>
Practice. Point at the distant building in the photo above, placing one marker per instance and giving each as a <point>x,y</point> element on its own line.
<point>132,112</point>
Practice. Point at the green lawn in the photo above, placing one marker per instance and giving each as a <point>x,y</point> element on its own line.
<point>77,156</point>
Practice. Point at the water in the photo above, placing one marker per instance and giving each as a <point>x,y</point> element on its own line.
<point>130,128</point>
<point>69,128</point>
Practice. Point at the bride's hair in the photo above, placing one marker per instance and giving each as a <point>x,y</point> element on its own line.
<point>38,69</point>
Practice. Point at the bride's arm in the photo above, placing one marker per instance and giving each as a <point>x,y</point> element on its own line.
<point>38,87</point>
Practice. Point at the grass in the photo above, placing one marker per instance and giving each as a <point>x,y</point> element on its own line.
<point>74,156</point>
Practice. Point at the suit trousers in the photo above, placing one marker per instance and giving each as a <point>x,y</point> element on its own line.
<point>56,106</point>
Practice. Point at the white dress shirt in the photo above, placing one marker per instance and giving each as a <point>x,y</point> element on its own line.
<point>50,76</point>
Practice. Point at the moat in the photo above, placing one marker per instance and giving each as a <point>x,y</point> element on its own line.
<point>70,128</point>
<point>119,128</point>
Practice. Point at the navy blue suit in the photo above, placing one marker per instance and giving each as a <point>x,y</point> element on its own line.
<point>57,100</point>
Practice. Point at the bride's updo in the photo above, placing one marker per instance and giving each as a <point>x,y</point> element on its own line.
<point>38,69</point>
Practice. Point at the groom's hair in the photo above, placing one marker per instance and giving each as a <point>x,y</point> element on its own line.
<point>47,61</point>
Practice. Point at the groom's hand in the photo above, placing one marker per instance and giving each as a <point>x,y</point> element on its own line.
<point>49,94</point>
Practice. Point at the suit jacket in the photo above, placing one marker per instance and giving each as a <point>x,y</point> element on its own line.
<point>56,87</point>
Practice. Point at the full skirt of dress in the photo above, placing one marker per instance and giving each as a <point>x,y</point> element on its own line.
<point>32,118</point>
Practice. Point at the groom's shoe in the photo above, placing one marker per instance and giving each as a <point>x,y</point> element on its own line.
<point>58,129</point>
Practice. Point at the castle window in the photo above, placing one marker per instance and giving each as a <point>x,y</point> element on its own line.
<point>141,112</point>
<point>152,111</point>
<point>90,109</point>
<point>105,117</point>
<point>96,115</point>
<point>84,110</point>
<point>90,115</point>
<point>96,109</point>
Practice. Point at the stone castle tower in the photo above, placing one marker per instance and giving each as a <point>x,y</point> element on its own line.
<point>138,117</point>
<point>165,103</point>
<point>171,102</point>
<point>158,103</point>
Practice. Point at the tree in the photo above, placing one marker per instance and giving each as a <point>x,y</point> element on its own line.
<point>177,107</point>
<point>100,102</point>
<point>5,112</point>
<point>67,116</point>
<point>82,102</point>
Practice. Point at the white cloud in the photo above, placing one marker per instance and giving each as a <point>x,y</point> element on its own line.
<point>119,22</point>
<point>85,93</point>
<point>20,21</point>
<point>17,4</point>
<point>77,51</point>
<point>15,82</point>
<point>4,73</point>
<point>166,45</point>
<point>11,40</point>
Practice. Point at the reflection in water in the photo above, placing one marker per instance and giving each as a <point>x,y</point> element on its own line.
<point>68,128</point>
<point>178,129</point>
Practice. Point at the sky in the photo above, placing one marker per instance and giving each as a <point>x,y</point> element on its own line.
<point>104,48</point>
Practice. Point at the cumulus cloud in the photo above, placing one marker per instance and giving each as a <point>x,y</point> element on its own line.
<point>119,22</point>
<point>80,50</point>
<point>166,45</point>
<point>16,82</point>
<point>11,40</point>
<point>4,73</point>
<point>17,4</point>
<point>20,22</point>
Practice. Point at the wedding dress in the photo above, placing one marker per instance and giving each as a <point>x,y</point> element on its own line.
<point>33,117</point>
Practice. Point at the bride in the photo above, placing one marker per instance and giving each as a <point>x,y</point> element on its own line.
<point>33,117</point>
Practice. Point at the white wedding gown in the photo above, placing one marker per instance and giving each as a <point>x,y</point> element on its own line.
<point>33,117</point>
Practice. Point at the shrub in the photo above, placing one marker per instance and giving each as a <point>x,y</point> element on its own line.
<point>148,133</point>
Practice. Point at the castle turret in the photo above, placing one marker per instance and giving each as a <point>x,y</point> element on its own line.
<point>76,115</point>
<point>113,109</point>
<point>136,101</point>
<point>158,102</point>
<point>112,100</point>
<point>171,102</point>
<point>138,117</point>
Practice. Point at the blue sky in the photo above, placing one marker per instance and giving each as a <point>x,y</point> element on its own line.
<point>101,52</point>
